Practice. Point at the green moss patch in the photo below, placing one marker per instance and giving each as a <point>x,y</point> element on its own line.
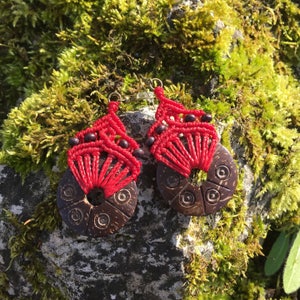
<point>239,61</point>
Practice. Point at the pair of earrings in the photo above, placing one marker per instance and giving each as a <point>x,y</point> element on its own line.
<point>97,195</point>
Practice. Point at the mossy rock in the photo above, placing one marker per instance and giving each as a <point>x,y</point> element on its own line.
<point>240,61</point>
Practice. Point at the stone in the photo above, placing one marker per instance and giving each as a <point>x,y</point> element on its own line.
<point>140,261</point>
<point>143,260</point>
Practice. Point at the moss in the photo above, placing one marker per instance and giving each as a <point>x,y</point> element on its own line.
<point>218,273</point>
<point>4,285</point>
<point>25,248</point>
<point>36,133</point>
<point>29,44</point>
<point>236,60</point>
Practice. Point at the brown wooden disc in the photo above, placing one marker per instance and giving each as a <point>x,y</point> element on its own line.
<point>98,219</point>
<point>200,199</point>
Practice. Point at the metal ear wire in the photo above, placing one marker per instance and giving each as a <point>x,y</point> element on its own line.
<point>155,82</point>
<point>115,96</point>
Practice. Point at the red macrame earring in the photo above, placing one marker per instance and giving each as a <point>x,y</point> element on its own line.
<point>182,141</point>
<point>97,195</point>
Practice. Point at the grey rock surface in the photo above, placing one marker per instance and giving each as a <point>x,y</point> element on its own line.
<point>141,261</point>
<point>20,198</point>
<point>144,260</point>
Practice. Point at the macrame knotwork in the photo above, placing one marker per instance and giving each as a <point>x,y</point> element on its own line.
<point>97,195</point>
<point>185,143</point>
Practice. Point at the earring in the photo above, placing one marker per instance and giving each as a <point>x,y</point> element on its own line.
<point>182,141</point>
<point>97,194</point>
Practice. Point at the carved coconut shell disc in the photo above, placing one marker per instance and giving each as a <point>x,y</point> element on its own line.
<point>200,199</point>
<point>97,219</point>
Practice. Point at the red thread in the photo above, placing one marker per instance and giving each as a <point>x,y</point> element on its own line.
<point>184,145</point>
<point>103,163</point>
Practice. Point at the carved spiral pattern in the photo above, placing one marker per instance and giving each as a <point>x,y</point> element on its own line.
<point>187,199</point>
<point>123,196</point>
<point>67,192</point>
<point>101,221</point>
<point>76,216</point>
